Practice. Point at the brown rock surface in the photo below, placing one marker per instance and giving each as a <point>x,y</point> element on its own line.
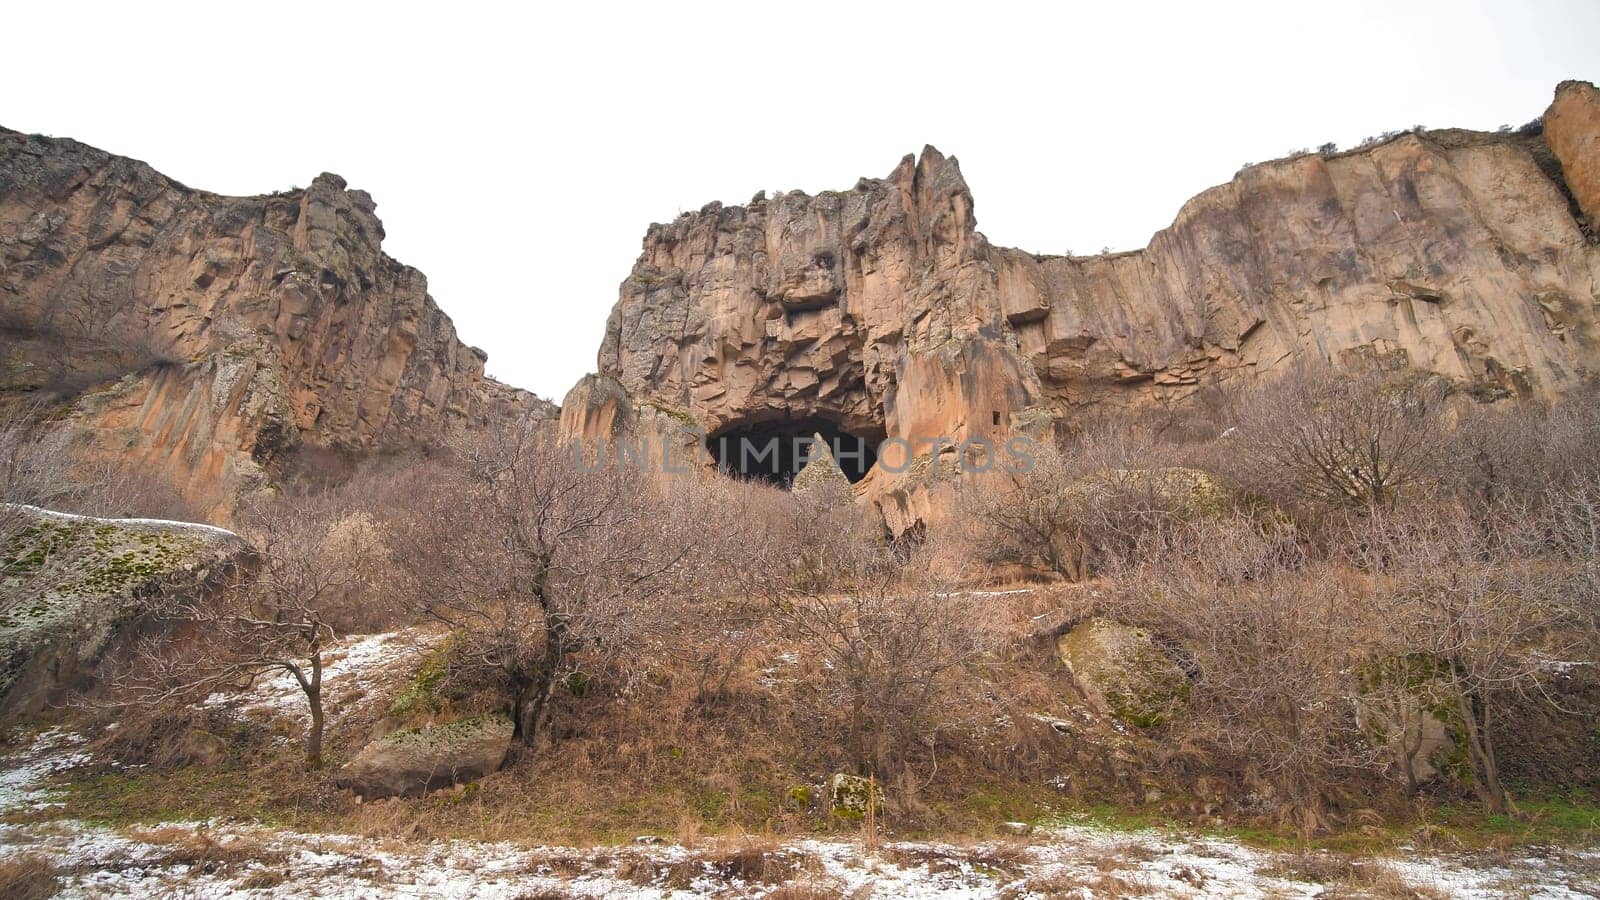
<point>1572,129</point>
<point>882,310</point>
<point>205,336</point>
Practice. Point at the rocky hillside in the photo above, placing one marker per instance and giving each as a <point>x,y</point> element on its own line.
<point>883,312</point>
<point>207,337</point>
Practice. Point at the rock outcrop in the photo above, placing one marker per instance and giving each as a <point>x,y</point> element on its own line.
<point>883,312</point>
<point>1123,672</point>
<point>821,473</point>
<point>207,337</point>
<point>75,591</point>
<point>414,761</point>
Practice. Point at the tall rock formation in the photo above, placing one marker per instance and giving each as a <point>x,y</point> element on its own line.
<point>882,312</point>
<point>206,337</point>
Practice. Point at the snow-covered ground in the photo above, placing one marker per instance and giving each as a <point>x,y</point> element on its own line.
<point>352,667</point>
<point>217,860</point>
<point>227,859</point>
<point>224,859</point>
<point>160,523</point>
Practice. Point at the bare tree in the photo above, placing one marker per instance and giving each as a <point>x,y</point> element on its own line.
<point>897,647</point>
<point>546,564</point>
<point>1080,508</point>
<point>314,559</point>
<point>32,465</point>
<point>1486,613</point>
<point>1026,517</point>
<point>1342,438</point>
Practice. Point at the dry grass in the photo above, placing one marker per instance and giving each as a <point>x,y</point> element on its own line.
<point>751,862</point>
<point>200,852</point>
<point>28,876</point>
<point>263,879</point>
<point>1346,877</point>
<point>1100,884</point>
<point>807,890</point>
<point>1003,859</point>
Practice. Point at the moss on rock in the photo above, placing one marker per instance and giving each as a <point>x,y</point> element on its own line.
<point>850,796</point>
<point>413,761</point>
<point>1123,672</point>
<point>72,584</point>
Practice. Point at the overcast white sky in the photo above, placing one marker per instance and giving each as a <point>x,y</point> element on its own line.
<point>517,156</point>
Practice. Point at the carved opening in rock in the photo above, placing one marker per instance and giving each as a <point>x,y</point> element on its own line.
<point>775,450</point>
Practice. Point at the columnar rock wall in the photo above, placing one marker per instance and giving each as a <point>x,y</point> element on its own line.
<point>204,336</point>
<point>883,309</point>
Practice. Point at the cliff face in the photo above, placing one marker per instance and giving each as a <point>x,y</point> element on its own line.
<point>883,311</point>
<point>204,336</point>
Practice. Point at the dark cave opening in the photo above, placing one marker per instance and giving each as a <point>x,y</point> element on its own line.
<point>775,450</point>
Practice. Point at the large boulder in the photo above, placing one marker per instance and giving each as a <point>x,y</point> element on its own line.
<point>1123,672</point>
<point>75,589</point>
<point>413,761</point>
<point>821,475</point>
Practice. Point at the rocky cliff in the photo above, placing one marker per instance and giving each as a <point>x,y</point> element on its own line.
<point>881,311</point>
<point>207,337</point>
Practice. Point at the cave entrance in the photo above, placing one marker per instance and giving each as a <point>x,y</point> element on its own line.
<point>774,451</point>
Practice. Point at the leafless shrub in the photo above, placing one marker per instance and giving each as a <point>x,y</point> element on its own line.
<point>897,650</point>
<point>32,469</point>
<point>114,488</point>
<point>1354,438</point>
<point>314,559</point>
<point>1083,508</point>
<point>1520,451</point>
<point>1025,518</point>
<point>550,567</point>
<point>1487,614</point>
<point>1268,639</point>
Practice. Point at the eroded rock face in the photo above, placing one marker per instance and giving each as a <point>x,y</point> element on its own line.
<point>74,590</point>
<point>882,309</point>
<point>1572,129</point>
<point>204,336</point>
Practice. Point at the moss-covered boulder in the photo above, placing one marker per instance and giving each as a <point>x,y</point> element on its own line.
<point>413,761</point>
<point>850,796</point>
<point>429,693</point>
<point>1407,707</point>
<point>73,589</point>
<point>1123,672</point>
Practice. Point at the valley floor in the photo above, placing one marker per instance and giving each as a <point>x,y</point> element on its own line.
<point>227,858</point>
